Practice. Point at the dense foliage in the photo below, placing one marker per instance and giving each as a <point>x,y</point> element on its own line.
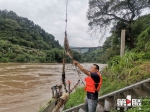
<point>80,94</point>
<point>143,43</point>
<point>91,56</point>
<point>23,32</point>
<point>23,41</point>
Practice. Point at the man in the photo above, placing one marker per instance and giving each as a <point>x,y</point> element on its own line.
<point>93,84</point>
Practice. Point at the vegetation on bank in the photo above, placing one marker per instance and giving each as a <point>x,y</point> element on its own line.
<point>76,98</point>
<point>124,72</point>
<point>41,108</point>
<point>21,40</point>
<point>131,68</point>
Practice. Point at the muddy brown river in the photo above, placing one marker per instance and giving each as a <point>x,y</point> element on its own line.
<point>26,87</point>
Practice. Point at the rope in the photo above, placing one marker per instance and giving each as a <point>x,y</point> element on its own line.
<point>67,47</point>
<point>63,73</point>
<point>79,75</point>
<point>64,59</point>
<point>66,19</point>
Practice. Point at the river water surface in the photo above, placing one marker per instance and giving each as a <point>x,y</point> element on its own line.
<point>26,87</point>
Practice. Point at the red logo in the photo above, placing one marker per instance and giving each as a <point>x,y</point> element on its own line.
<point>128,101</point>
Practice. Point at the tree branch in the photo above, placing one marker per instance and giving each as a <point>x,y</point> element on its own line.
<point>121,19</point>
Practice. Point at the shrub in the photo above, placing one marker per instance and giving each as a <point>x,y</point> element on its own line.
<point>76,98</point>
<point>146,55</point>
<point>144,41</point>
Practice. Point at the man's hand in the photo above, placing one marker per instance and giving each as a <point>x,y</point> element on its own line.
<point>75,62</point>
<point>81,68</point>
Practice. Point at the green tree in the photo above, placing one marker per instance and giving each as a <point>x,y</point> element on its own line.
<point>143,43</point>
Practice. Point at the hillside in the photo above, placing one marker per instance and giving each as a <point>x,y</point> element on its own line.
<point>23,41</point>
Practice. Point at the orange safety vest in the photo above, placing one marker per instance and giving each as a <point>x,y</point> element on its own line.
<point>90,84</point>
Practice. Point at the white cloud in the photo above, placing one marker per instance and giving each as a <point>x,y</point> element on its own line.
<point>50,15</point>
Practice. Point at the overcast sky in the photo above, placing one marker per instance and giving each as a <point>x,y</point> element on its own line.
<point>50,15</point>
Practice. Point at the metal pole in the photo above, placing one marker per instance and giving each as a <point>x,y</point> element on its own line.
<point>122,43</point>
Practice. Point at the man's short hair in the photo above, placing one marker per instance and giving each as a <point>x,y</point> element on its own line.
<point>97,67</point>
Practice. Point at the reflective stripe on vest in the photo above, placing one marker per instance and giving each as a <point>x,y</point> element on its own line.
<point>90,84</point>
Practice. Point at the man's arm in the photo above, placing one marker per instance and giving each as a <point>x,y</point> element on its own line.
<point>81,68</point>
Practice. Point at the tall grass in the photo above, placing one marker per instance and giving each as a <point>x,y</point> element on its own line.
<point>41,108</point>
<point>118,64</point>
<point>76,98</point>
<point>123,71</point>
